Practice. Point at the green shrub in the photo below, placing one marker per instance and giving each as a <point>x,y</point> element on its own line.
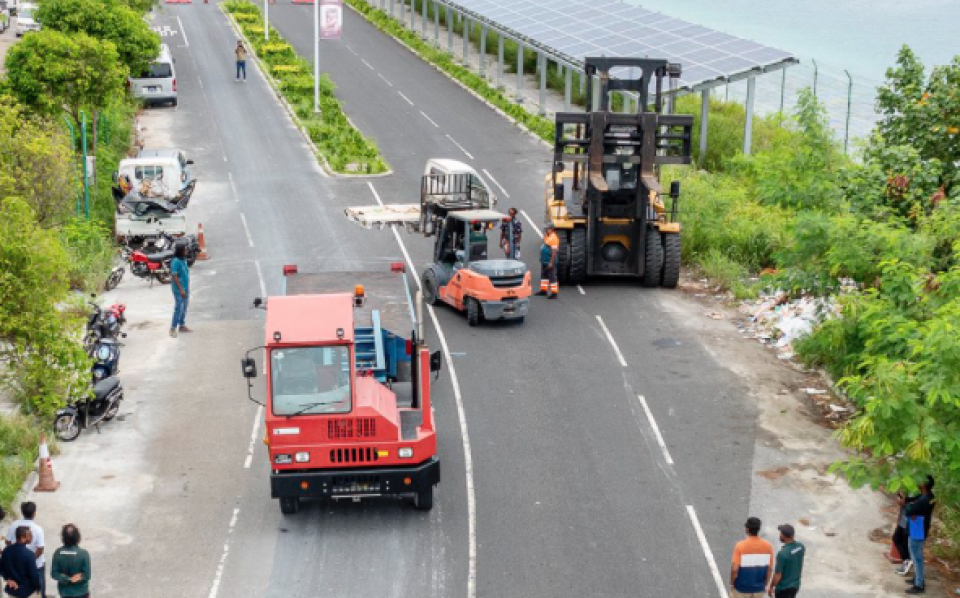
<point>19,440</point>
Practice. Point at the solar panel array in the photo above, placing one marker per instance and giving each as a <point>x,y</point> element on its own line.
<point>580,28</point>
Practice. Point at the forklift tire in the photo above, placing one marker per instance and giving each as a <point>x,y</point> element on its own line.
<point>289,505</point>
<point>563,257</point>
<point>671,261</point>
<point>430,289</point>
<point>423,501</point>
<point>652,258</point>
<point>473,311</point>
<point>578,255</point>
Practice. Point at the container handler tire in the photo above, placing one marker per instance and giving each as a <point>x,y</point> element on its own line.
<point>430,290</point>
<point>653,258</point>
<point>578,255</point>
<point>473,311</point>
<point>563,257</point>
<point>423,501</point>
<point>289,505</point>
<point>671,260</point>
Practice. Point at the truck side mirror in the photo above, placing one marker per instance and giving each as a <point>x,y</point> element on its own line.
<point>558,191</point>
<point>257,302</point>
<point>675,189</point>
<point>436,361</point>
<point>249,367</point>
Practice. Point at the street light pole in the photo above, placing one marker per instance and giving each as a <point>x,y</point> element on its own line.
<point>316,55</point>
<point>83,142</point>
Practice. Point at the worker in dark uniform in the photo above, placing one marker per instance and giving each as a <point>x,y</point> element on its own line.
<point>510,232</point>
<point>548,264</point>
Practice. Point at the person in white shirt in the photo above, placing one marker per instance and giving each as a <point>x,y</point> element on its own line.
<point>29,511</point>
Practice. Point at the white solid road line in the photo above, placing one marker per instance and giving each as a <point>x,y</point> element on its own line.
<point>385,80</point>
<point>409,101</point>
<point>580,288</point>
<point>616,349</point>
<point>536,229</point>
<point>253,435</point>
<point>656,430</point>
<point>461,416</point>
<point>721,587</point>
<point>499,186</point>
<point>430,119</point>
<point>246,229</point>
<point>469,155</point>
<point>215,589</point>
<point>370,66</point>
<point>263,286</point>
<point>186,42</point>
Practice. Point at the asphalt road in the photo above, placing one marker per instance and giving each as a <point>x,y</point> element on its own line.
<point>574,494</point>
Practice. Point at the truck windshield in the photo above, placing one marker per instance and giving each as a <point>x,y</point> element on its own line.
<point>310,380</point>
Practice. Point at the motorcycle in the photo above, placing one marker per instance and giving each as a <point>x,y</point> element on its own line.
<point>104,324</point>
<point>106,358</point>
<point>114,279</point>
<point>149,265</point>
<point>84,412</point>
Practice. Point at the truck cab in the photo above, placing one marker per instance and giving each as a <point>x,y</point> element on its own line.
<point>348,375</point>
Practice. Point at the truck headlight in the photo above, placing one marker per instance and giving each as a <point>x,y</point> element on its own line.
<point>303,457</point>
<point>405,453</point>
<point>281,459</point>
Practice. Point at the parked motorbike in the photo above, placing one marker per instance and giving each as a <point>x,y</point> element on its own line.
<point>164,241</point>
<point>84,411</point>
<point>149,265</point>
<point>104,324</point>
<point>106,357</point>
<point>114,279</point>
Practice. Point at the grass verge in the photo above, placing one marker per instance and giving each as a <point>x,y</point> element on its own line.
<point>343,149</point>
<point>18,447</point>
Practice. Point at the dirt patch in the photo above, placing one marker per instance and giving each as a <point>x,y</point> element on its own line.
<point>773,474</point>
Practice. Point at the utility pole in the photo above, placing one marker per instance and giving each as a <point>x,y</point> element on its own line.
<point>316,56</point>
<point>83,143</point>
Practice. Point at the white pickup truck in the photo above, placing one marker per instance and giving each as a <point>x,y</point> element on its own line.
<point>161,188</point>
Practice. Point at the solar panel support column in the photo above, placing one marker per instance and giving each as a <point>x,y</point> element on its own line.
<point>748,126</point>
<point>596,93</point>
<point>499,61</point>
<point>567,88</point>
<point>449,14</point>
<point>466,39</point>
<point>519,72</point>
<point>704,116</point>
<point>413,11</point>
<point>436,24</point>
<point>672,95</point>
<point>542,61</point>
<point>424,15</point>
<point>391,7</point>
<point>483,50</point>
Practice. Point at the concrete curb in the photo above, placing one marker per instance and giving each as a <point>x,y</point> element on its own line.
<point>325,166</point>
<point>484,100</point>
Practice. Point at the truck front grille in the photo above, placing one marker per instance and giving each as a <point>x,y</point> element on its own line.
<point>356,484</point>
<point>358,427</point>
<point>503,282</point>
<point>363,454</point>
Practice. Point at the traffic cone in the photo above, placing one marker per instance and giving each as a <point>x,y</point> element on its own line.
<point>202,240</point>
<point>47,482</point>
<point>894,555</point>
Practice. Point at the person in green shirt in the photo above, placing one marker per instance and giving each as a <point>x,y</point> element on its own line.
<point>786,577</point>
<point>71,565</point>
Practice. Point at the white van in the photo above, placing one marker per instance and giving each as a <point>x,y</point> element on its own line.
<point>159,84</point>
<point>26,21</point>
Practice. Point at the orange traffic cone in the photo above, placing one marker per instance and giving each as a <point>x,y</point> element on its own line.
<point>894,555</point>
<point>202,240</point>
<point>47,482</point>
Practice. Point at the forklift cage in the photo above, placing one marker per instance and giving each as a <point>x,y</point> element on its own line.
<point>444,193</point>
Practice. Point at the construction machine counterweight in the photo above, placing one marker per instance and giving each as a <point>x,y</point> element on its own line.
<point>603,195</point>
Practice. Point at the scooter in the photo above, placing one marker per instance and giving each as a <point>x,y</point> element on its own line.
<point>106,358</point>
<point>84,412</point>
<point>104,323</point>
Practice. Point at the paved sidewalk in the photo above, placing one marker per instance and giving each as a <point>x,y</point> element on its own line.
<point>7,39</point>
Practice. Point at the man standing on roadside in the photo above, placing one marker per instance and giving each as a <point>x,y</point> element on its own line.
<point>71,565</point>
<point>786,576</point>
<point>548,263</point>
<point>510,232</point>
<point>919,515</point>
<point>241,53</point>
<point>180,276</point>
<point>35,544</point>
<point>22,577</point>
<point>752,563</point>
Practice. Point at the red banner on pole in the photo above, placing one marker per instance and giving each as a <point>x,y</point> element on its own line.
<point>331,19</point>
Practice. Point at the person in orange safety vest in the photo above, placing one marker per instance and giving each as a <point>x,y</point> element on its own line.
<point>548,264</point>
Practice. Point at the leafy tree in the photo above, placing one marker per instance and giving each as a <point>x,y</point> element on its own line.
<point>36,164</point>
<point>37,350</point>
<point>51,71</point>
<point>109,20</point>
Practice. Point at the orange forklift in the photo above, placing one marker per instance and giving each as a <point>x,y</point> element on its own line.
<point>348,377</point>
<point>455,209</point>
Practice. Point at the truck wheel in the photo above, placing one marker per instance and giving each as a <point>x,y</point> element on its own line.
<point>671,260</point>
<point>652,258</point>
<point>430,290</point>
<point>289,505</point>
<point>473,311</point>
<point>563,257</point>
<point>423,501</point>
<point>578,255</point>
